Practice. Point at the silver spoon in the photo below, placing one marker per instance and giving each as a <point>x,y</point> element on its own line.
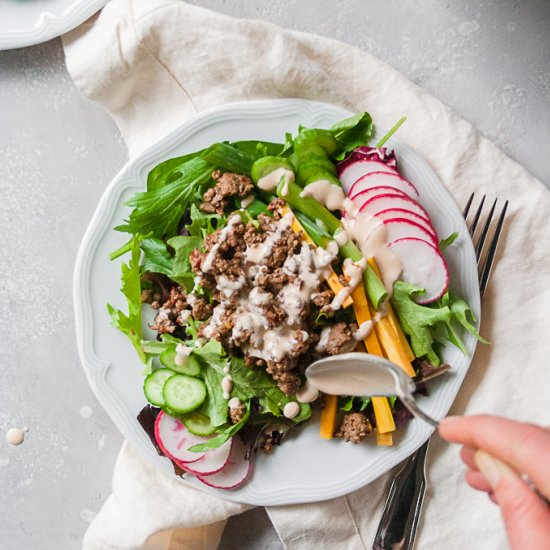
<point>363,374</point>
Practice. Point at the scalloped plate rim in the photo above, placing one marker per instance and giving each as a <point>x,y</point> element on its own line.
<point>47,26</point>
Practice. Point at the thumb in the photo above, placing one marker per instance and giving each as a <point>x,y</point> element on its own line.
<point>526,516</point>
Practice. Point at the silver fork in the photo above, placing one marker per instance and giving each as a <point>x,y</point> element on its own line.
<point>401,514</point>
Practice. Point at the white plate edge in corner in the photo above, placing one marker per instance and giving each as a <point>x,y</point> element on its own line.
<point>46,25</point>
<point>96,368</point>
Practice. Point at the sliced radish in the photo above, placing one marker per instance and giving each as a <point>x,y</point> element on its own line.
<point>362,197</point>
<point>423,266</point>
<point>212,461</point>
<point>407,215</point>
<point>350,172</point>
<point>235,472</point>
<point>400,228</point>
<point>174,439</point>
<point>383,202</point>
<point>377,179</point>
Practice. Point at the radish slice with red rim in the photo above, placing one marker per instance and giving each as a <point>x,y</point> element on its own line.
<point>423,266</point>
<point>407,215</point>
<point>386,179</point>
<point>212,460</point>
<point>383,202</point>
<point>174,439</point>
<point>350,172</point>
<point>400,228</point>
<point>362,197</point>
<point>235,472</point>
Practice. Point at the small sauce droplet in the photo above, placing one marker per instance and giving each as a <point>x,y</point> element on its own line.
<point>291,409</point>
<point>15,436</point>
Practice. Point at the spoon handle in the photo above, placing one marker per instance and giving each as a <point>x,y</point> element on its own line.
<point>397,526</point>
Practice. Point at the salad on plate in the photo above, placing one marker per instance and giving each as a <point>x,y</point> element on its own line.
<point>254,259</point>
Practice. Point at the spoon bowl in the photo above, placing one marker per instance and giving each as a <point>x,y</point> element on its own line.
<point>363,374</point>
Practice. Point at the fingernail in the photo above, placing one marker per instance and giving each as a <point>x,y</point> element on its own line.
<point>491,468</point>
<point>450,419</point>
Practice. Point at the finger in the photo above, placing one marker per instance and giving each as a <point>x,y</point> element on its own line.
<point>519,445</point>
<point>467,456</point>
<point>526,516</point>
<point>476,481</point>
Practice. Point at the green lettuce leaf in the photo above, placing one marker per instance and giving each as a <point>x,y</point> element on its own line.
<point>222,437</point>
<point>169,170</point>
<point>215,406</point>
<point>416,320</point>
<point>202,223</point>
<point>130,324</point>
<point>254,382</point>
<point>160,210</point>
<point>352,132</point>
<point>463,314</point>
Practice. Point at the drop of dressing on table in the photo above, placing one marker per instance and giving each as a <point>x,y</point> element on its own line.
<point>16,436</point>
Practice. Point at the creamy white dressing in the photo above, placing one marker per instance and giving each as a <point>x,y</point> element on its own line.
<point>182,353</point>
<point>206,265</point>
<point>327,193</point>
<point>256,254</point>
<point>307,268</point>
<point>350,208</point>
<point>228,287</point>
<point>291,409</point>
<point>353,272</point>
<point>16,436</point>
<point>183,316</point>
<point>369,233</point>
<point>365,328</point>
<point>248,200</point>
<point>258,297</point>
<point>271,180</point>
<point>234,403</point>
<point>227,386</point>
<point>307,393</point>
<point>321,346</point>
<point>341,237</point>
<point>380,314</point>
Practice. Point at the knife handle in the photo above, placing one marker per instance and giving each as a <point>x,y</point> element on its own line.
<point>399,521</point>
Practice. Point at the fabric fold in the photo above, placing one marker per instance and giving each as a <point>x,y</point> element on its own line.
<point>153,64</point>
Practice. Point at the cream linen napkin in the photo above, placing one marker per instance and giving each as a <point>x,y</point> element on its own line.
<point>153,64</point>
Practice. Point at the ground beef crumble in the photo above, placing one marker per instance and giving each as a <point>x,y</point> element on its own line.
<point>236,414</point>
<point>232,273</point>
<point>340,338</point>
<point>171,313</point>
<point>227,185</point>
<point>354,427</point>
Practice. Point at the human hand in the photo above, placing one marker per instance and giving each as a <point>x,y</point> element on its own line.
<point>497,452</point>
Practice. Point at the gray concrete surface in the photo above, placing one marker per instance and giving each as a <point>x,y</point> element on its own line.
<point>489,60</point>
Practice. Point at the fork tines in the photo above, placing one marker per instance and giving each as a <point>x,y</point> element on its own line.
<point>484,267</point>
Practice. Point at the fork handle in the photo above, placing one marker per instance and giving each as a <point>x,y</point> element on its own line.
<point>398,525</point>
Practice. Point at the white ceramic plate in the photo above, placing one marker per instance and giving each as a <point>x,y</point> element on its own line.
<point>305,468</point>
<point>28,22</point>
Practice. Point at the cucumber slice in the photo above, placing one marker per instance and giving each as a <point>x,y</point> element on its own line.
<point>198,423</point>
<point>153,384</point>
<point>315,167</point>
<point>265,165</point>
<point>183,394</point>
<point>323,138</point>
<point>168,359</point>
